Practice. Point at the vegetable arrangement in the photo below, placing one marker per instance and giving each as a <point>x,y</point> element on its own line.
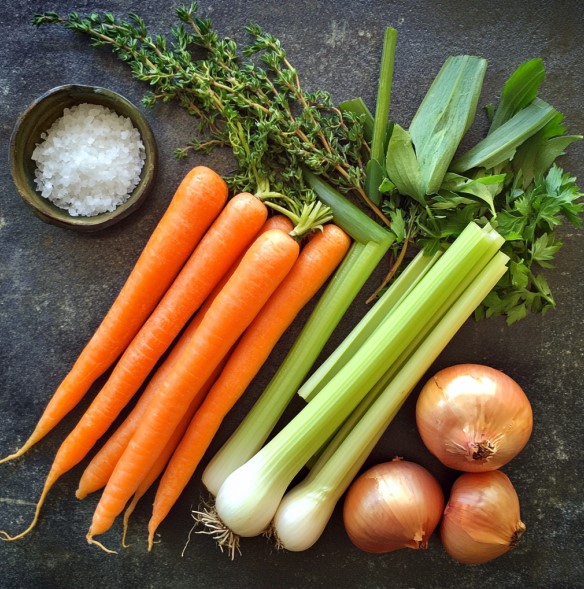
<point>222,278</point>
<point>228,290</point>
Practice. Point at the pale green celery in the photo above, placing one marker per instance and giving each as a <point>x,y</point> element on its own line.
<point>306,509</point>
<point>500,145</point>
<point>413,272</point>
<point>389,303</point>
<point>370,245</point>
<point>248,499</point>
<point>376,164</point>
<point>426,329</point>
<point>357,106</point>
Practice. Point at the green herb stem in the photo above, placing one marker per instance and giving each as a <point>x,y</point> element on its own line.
<point>375,167</point>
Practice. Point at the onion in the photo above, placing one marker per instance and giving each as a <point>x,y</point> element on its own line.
<point>393,505</point>
<point>481,520</point>
<point>473,418</point>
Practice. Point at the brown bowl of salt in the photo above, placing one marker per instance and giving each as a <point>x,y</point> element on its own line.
<point>83,157</point>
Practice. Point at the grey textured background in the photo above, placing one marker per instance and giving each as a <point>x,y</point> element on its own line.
<point>55,286</point>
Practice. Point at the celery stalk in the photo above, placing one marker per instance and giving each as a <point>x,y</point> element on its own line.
<point>413,272</point>
<point>370,245</point>
<point>306,509</point>
<point>474,275</point>
<point>249,497</point>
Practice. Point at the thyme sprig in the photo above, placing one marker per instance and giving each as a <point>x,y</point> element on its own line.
<point>248,99</point>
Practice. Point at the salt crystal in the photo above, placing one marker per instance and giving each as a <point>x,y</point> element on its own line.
<point>81,165</point>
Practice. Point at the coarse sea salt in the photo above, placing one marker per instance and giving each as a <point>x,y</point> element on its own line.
<point>89,161</point>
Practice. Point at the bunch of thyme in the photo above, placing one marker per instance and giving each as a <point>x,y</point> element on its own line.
<point>248,99</point>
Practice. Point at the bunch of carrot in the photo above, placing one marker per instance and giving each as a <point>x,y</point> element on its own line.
<point>216,286</point>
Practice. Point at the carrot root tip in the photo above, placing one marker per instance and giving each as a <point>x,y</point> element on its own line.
<point>14,455</point>
<point>6,537</point>
<point>91,540</point>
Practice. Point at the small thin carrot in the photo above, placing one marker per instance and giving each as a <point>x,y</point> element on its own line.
<point>196,203</point>
<point>101,466</point>
<point>315,264</point>
<point>229,235</point>
<point>261,270</point>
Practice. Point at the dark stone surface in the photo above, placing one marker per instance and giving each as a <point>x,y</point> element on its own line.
<point>55,286</point>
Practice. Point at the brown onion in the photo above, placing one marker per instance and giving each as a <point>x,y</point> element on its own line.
<point>393,505</point>
<point>481,520</point>
<point>473,418</point>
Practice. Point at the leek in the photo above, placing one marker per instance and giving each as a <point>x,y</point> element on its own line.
<point>248,499</point>
<point>306,509</point>
<point>358,107</point>
<point>418,159</point>
<point>500,145</point>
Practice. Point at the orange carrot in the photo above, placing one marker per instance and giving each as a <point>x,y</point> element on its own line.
<point>169,448</point>
<point>98,471</point>
<point>101,466</point>
<point>262,268</point>
<point>316,262</point>
<point>228,236</point>
<point>196,203</point>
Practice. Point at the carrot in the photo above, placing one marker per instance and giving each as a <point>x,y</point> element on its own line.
<point>316,262</point>
<point>98,471</point>
<point>169,448</point>
<point>228,236</point>
<point>196,203</point>
<point>262,268</point>
<point>101,466</point>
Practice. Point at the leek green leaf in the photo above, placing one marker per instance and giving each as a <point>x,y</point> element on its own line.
<point>358,107</point>
<point>445,115</point>
<point>501,144</point>
<point>375,175</point>
<point>519,91</point>
<point>402,165</point>
<point>381,122</point>
<point>539,152</point>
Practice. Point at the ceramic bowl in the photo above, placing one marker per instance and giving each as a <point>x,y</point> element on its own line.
<point>39,117</point>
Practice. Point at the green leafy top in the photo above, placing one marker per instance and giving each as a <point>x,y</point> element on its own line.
<point>250,99</point>
<point>509,179</point>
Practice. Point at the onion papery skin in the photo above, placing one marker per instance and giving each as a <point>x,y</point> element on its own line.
<point>473,418</point>
<point>482,518</point>
<point>393,505</point>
